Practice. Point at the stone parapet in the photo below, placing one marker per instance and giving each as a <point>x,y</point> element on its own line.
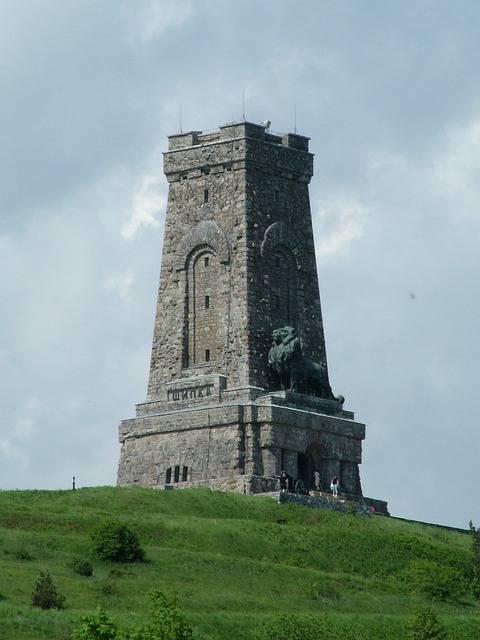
<point>237,145</point>
<point>305,402</point>
<point>324,502</point>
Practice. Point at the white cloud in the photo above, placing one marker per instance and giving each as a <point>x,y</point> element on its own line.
<point>340,222</point>
<point>15,447</point>
<point>456,169</point>
<point>122,284</point>
<point>14,457</point>
<point>148,201</point>
<point>156,17</point>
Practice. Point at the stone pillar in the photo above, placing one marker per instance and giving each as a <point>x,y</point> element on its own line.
<point>270,457</point>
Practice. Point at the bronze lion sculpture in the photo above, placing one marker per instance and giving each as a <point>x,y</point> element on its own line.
<point>295,371</point>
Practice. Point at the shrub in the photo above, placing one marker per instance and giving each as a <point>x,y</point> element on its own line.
<point>165,622</point>
<point>437,581</point>
<point>116,542</point>
<point>45,594</point>
<point>96,627</point>
<point>307,627</point>
<point>424,624</point>
<point>82,567</point>
<point>475,536</point>
<point>291,627</point>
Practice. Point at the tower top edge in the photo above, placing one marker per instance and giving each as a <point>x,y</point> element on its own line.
<point>236,131</point>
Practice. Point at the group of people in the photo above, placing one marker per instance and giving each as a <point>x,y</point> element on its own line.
<point>334,483</point>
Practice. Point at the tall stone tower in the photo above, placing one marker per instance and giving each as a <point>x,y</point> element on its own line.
<point>238,266</point>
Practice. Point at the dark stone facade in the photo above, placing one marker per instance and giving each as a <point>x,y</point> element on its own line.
<point>238,261</point>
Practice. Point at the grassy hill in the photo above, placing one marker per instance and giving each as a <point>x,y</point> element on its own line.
<point>235,561</point>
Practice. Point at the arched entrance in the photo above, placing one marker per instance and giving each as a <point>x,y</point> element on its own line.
<point>305,468</point>
<point>319,460</point>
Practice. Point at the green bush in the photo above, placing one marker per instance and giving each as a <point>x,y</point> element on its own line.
<point>97,627</point>
<point>437,581</point>
<point>291,627</point>
<point>82,567</point>
<point>424,624</point>
<point>475,536</point>
<point>165,622</point>
<point>116,542</point>
<point>45,594</point>
<point>308,627</point>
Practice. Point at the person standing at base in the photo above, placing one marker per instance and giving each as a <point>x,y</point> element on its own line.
<point>283,482</point>
<point>334,486</point>
<point>318,482</point>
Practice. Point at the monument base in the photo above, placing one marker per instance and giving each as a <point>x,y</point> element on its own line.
<point>241,446</point>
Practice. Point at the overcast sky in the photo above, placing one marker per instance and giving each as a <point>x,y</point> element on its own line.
<point>389,94</point>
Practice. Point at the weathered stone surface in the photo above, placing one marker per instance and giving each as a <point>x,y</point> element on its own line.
<point>238,261</point>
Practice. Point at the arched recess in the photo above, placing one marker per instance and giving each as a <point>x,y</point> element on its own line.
<point>282,287</point>
<point>283,258</point>
<point>205,233</point>
<point>203,306</point>
<point>201,256</point>
<point>279,233</point>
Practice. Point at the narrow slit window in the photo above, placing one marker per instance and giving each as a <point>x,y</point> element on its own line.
<point>168,476</point>
<point>207,302</point>
<point>207,355</point>
<point>206,262</point>
<point>184,474</point>
<point>205,195</point>
<point>176,477</point>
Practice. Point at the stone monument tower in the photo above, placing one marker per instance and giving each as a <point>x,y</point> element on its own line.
<point>238,388</point>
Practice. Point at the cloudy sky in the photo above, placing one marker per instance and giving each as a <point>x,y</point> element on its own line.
<point>389,94</point>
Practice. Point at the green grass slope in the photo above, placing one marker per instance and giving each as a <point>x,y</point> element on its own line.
<point>235,561</point>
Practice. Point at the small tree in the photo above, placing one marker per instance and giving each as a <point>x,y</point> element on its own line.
<point>166,621</point>
<point>116,542</point>
<point>425,624</point>
<point>97,627</point>
<point>82,567</point>
<point>475,535</point>
<point>45,594</point>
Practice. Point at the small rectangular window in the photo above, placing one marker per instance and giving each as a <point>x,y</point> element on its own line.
<point>168,476</point>
<point>207,262</point>
<point>176,477</point>
<point>207,355</point>
<point>205,195</point>
<point>184,474</point>
<point>207,302</point>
